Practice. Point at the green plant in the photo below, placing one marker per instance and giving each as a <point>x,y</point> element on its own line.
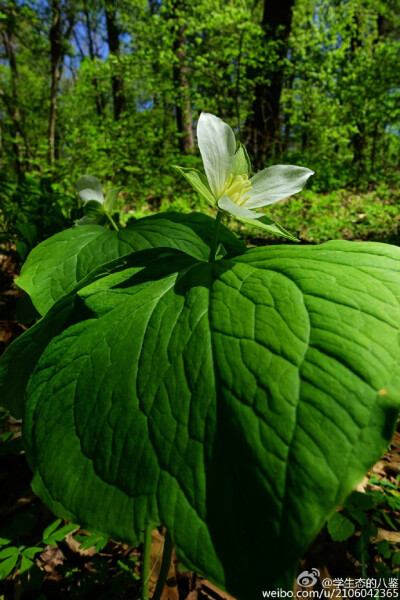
<point>20,557</point>
<point>358,522</point>
<point>31,211</point>
<point>17,559</point>
<point>233,395</point>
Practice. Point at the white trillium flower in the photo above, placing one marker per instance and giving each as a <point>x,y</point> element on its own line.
<point>89,188</point>
<point>227,171</point>
<point>96,208</point>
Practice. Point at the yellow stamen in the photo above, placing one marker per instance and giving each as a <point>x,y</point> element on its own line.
<point>237,189</point>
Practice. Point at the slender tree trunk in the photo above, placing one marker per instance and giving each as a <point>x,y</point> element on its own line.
<point>56,57</point>
<point>359,137</point>
<point>359,144</point>
<point>12,103</point>
<point>57,38</point>
<point>286,118</point>
<point>1,148</point>
<point>99,98</point>
<point>181,84</point>
<point>117,81</point>
<point>238,80</point>
<point>263,125</point>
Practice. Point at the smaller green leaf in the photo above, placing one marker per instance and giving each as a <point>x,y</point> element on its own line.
<point>26,564</point>
<point>32,551</point>
<point>92,540</point>
<point>5,541</point>
<point>7,566</point>
<point>340,528</point>
<point>50,528</point>
<point>269,225</point>
<point>198,181</point>
<point>241,162</point>
<point>60,534</point>
<point>111,199</point>
<point>7,552</point>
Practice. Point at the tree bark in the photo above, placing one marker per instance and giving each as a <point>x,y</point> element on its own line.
<point>181,85</point>
<point>263,125</point>
<point>117,81</point>
<point>12,104</point>
<point>99,98</point>
<point>57,53</point>
<point>1,147</point>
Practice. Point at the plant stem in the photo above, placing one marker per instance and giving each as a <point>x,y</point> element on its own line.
<point>165,564</point>
<point>113,223</point>
<point>145,575</point>
<point>214,243</point>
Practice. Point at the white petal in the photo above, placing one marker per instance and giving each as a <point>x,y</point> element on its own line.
<point>277,182</point>
<point>217,146</point>
<point>89,188</point>
<point>239,211</point>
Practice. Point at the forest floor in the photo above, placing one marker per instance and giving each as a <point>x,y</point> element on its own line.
<point>66,571</point>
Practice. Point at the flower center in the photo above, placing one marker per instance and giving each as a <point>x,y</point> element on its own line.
<point>237,189</point>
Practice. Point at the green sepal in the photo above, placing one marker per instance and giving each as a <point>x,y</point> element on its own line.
<point>241,162</point>
<point>220,252</point>
<point>198,181</point>
<point>111,199</point>
<point>267,224</point>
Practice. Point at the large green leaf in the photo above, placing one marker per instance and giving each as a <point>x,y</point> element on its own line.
<point>58,264</point>
<point>237,403</point>
<point>20,358</point>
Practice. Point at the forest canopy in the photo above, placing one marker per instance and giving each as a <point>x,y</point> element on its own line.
<point>115,87</point>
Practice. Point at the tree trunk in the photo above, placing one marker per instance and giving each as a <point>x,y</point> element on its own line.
<point>1,148</point>
<point>117,81</point>
<point>99,98</point>
<point>181,85</point>
<point>263,125</point>
<point>56,55</point>
<point>57,39</point>
<point>12,103</point>
<point>358,138</point>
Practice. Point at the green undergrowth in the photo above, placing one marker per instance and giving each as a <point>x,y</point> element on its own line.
<point>312,217</point>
